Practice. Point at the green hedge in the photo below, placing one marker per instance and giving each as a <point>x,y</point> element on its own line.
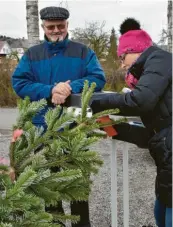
<point>8,98</point>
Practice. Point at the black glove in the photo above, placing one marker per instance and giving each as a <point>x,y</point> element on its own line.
<point>96,106</point>
<point>133,134</point>
<point>105,102</point>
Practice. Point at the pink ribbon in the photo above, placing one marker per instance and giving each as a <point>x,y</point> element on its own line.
<point>16,134</point>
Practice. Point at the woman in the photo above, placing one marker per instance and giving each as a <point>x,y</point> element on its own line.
<point>150,70</point>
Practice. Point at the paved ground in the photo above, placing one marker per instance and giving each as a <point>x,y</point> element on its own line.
<point>7,117</point>
<point>141,180</point>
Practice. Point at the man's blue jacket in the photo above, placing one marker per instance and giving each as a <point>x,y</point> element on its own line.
<point>48,63</point>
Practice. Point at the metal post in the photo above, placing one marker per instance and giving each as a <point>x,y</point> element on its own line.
<point>114,184</point>
<point>125,185</point>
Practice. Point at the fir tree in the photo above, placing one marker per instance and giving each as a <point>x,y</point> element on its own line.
<point>33,155</point>
<point>112,51</point>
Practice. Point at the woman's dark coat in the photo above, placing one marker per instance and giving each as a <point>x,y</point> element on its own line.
<point>151,99</point>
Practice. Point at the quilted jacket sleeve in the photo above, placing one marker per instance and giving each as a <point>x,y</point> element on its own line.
<point>149,89</point>
<point>24,83</point>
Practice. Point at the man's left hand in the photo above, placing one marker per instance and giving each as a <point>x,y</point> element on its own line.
<point>58,99</point>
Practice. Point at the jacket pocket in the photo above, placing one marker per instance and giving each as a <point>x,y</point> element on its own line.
<point>160,149</point>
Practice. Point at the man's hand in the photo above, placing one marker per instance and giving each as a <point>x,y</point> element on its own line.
<point>62,88</point>
<point>60,92</point>
<point>58,99</point>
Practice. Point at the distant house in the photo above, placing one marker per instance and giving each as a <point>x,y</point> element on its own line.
<point>5,49</point>
<point>19,46</point>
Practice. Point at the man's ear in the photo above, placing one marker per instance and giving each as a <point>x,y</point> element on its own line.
<point>67,24</point>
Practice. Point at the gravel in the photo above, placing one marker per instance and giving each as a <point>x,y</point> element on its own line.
<point>141,187</point>
<point>141,184</point>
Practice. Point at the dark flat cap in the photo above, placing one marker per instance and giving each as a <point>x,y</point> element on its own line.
<point>54,13</point>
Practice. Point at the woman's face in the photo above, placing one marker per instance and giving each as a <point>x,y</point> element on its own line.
<point>128,59</point>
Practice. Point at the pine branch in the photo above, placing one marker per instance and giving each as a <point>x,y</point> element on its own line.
<point>86,98</point>
<point>23,104</point>
<point>28,110</point>
<point>77,190</point>
<point>105,113</point>
<point>36,154</point>
<point>85,127</point>
<point>28,202</point>
<point>34,160</point>
<point>5,225</point>
<point>64,120</point>
<point>25,179</point>
<point>75,146</point>
<point>85,89</point>
<point>40,219</point>
<point>52,116</point>
<point>56,163</point>
<point>42,175</point>
<point>63,176</point>
<point>97,133</point>
<point>46,193</point>
<point>74,219</point>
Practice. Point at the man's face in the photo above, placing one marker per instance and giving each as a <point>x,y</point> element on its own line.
<point>55,30</point>
<point>128,59</point>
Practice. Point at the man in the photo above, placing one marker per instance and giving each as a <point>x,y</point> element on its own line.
<point>55,69</point>
<point>150,77</point>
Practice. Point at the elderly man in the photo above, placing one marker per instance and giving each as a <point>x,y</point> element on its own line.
<point>55,69</point>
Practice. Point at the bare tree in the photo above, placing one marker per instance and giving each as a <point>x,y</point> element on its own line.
<point>32,22</point>
<point>94,36</point>
<point>163,37</point>
<point>169,32</point>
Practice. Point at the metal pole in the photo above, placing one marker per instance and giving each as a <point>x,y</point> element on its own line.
<point>114,184</point>
<point>125,185</point>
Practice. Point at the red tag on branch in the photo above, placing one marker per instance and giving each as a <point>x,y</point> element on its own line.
<point>108,129</point>
<point>16,134</point>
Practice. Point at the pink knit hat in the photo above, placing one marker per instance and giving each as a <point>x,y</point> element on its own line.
<point>133,39</point>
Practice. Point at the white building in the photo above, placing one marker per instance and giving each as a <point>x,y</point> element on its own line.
<point>19,46</point>
<point>5,49</point>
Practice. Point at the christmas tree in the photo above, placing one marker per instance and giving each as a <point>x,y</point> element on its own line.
<point>29,184</point>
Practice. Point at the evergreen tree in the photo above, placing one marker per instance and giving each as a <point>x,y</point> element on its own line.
<point>113,44</point>
<point>29,184</point>
<point>115,75</point>
<point>112,57</point>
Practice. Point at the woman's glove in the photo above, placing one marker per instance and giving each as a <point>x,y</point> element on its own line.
<point>96,106</point>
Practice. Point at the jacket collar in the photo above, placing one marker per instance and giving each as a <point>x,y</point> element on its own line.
<point>57,46</point>
<point>138,67</point>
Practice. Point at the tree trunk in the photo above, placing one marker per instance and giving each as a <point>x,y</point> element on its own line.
<point>32,22</point>
<point>169,16</point>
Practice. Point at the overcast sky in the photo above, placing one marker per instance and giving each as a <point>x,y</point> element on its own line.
<point>151,13</point>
